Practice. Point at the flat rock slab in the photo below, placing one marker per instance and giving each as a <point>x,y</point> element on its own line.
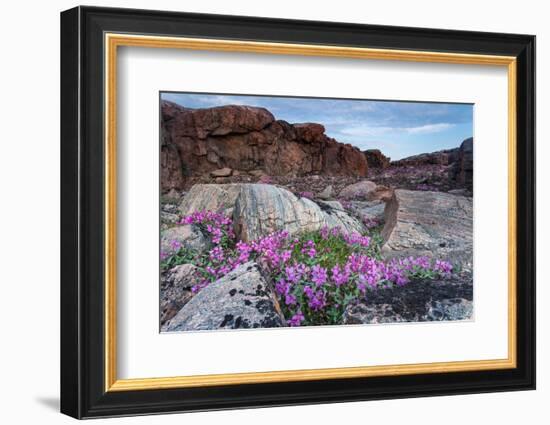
<point>373,210</point>
<point>241,299</point>
<point>418,301</point>
<point>434,224</point>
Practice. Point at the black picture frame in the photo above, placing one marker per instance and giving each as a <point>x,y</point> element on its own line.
<point>83,392</point>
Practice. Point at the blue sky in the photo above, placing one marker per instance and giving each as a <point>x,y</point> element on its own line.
<point>398,129</point>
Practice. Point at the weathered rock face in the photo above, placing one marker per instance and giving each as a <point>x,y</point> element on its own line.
<point>376,159</point>
<point>218,121</point>
<point>241,299</point>
<point>261,209</point>
<point>418,301</point>
<point>175,290</point>
<point>465,167</point>
<point>171,174</point>
<point>360,190</point>
<point>372,210</point>
<point>336,216</point>
<point>214,197</point>
<point>196,142</point>
<point>184,236</point>
<point>326,193</point>
<point>429,223</point>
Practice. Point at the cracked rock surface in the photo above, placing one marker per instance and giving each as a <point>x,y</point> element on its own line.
<point>422,300</point>
<point>241,299</point>
<point>427,223</point>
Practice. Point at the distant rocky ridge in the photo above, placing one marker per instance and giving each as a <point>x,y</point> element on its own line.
<point>459,160</point>
<point>233,140</point>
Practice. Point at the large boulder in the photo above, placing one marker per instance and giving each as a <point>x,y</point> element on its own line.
<point>210,197</point>
<point>183,236</point>
<point>241,299</point>
<point>363,189</point>
<point>418,301</point>
<point>261,209</point>
<point>433,224</point>
<point>197,142</point>
<point>176,289</point>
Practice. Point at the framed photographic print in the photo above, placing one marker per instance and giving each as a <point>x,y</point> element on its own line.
<point>261,212</point>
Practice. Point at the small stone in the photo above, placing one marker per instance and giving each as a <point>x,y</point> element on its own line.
<point>360,190</point>
<point>183,236</point>
<point>168,218</point>
<point>212,157</point>
<point>257,173</point>
<point>450,309</point>
<point>222,172</point>
<point>173,194</point>
<point>326,193</point>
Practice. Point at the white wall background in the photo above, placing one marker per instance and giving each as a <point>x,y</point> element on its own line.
<point>29,224</point>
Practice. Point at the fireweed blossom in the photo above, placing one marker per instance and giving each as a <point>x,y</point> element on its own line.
<point>290,299</point>
<point>296,319</point>
<point>357,239</point>
<point>309,249</point>
<point>217,254</point>
<point>306,288</point>
<point>175,245</point>
<point>318,275</point>
<point>340,276</point>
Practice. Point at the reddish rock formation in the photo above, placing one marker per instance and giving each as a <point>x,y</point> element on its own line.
<point>376,159</point>
<point>197,142</point>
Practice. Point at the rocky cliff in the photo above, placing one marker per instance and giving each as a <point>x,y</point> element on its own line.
<point>235,140</point>
<point>457,163</point>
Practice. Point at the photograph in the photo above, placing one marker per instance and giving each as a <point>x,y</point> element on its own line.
<point>284,210</point>
<point>280,211</point>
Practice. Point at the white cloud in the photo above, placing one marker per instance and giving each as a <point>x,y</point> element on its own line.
<point>429,128</point>
<point>367,130</point>
<point>370,130</point>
